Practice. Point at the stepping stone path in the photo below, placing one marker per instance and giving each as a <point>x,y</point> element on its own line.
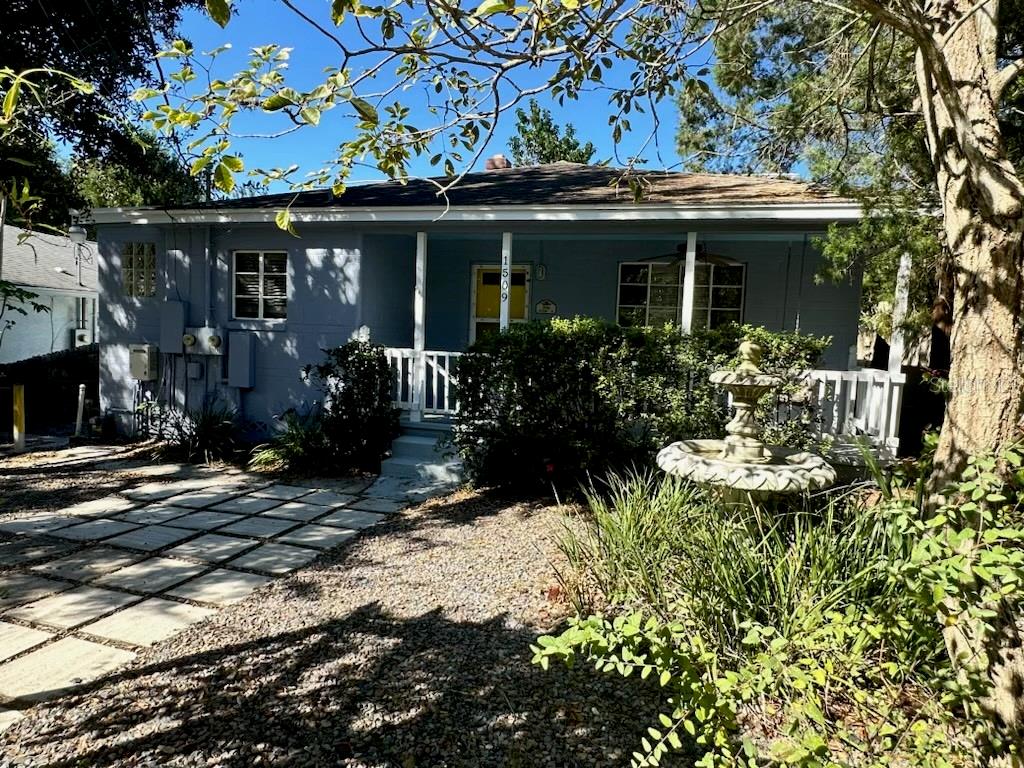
<point>83,589</point>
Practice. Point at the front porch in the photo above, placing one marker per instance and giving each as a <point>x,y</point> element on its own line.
<point>848,405</point>
<point>465,284</point>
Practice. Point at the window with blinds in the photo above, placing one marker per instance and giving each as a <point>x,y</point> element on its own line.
<point>261,285</point>
<point>138,269</point>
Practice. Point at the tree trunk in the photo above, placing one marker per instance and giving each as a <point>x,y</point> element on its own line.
<point>982,199</point>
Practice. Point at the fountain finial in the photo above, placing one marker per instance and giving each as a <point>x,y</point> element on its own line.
<point>750,356</point>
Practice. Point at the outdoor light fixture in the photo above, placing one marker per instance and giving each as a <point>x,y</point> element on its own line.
<point>77,234</point>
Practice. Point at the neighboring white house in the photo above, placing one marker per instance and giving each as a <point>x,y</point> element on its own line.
<point>63,276</point>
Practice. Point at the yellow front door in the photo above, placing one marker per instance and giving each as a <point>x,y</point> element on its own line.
<point>487,299</point>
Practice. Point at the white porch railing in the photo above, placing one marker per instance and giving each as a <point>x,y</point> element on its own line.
<point>847,403</point>
<point>433,392</point>
<point>862,403</point>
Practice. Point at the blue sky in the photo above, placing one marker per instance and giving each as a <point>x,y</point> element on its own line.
<point>259,22</point>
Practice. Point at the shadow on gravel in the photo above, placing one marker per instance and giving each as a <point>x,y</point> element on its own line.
<point>366,690</point>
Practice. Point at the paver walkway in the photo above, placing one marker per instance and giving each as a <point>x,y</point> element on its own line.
<point>82,589</point>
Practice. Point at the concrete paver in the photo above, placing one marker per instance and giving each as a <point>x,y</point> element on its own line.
<point>151,537</point>
<point>15,639</point>
<point>23,551</point>
<point>389,506</point>
<point>44,522</point>
<point>317,536</point>
<point>152,575</point>
<point>283,492</point>
<point>212,548</point>
<point>220,587</point>
<point>354,519</point>
<point>57,667</point>
<point>154,514</point>
<point>148,622</point>
<point>19,588</point>
<point>8,717</point>
<point>247,505</point>
<point>206,497</point>
<point>275,558</point>
<point>205,520</point>
<point>72,608</point>
<point>108,505</point>
<point>329,498</point>
<point>94,530</point>
<point>297,510</point>
<point>258,527</point>
<point>87,564</point>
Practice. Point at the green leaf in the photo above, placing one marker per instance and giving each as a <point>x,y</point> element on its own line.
<point>199,165</point>
<point>311,115</point>
<point>365,109</point>
<point>222,178</point>
<point>234,163</point>
<point>487,7</point>
<point>219,10</point>
<point>283,219</point>
<point>338,8</point>
<point>10,101</point>
<point>276,102</point>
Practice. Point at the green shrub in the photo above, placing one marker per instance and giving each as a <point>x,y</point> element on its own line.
<point>555,401</point>
<point>356,414</point>
<point>209,433</point>
<point>809,638</point>
<point>299,444</point>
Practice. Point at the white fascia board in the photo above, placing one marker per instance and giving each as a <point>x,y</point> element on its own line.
<point>825,211</point>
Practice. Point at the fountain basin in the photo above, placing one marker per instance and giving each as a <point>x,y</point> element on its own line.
<point>782,470</point>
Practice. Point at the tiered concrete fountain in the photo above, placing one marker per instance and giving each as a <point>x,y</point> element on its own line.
<point>741,465</point>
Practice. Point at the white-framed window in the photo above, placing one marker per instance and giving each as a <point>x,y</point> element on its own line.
<point>260,285</point>
<point>718,294</point>
<point>138,269</point>
<point>651,293</point>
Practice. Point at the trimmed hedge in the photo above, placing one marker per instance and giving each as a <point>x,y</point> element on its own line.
<point>556,401</point>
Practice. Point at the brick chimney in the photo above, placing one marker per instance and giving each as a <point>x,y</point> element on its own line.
<point>497,162</point>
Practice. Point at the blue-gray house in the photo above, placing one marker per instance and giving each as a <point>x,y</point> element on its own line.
<point>216,298</point>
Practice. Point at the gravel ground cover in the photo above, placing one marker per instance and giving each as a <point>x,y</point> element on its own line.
<point>406,646</point>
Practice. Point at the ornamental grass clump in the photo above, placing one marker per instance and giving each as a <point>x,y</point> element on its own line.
<point>822,633</point>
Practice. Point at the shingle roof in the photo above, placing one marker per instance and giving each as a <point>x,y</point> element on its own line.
<point>554,184</point>
<point>46,261</point>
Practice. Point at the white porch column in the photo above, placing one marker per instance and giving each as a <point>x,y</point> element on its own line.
<point>688,280</point>
<point>419,328</point>
<point>897,341</point>
<point>506,280</point>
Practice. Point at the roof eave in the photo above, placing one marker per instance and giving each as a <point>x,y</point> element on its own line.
<point>825,210</point>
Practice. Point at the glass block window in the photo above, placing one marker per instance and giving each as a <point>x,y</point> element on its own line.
<point>261,285</point>
<point>718,294</point>
<point>138,269</point>
<point>649,293</point>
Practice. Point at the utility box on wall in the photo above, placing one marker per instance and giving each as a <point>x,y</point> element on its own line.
<point>143,361</point>
<point>241,356</point>
<point>172,326</point>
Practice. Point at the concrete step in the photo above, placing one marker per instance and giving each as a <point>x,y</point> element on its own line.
<point>417,447</point>
<point>433,471</point>
<point>426,428</point>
